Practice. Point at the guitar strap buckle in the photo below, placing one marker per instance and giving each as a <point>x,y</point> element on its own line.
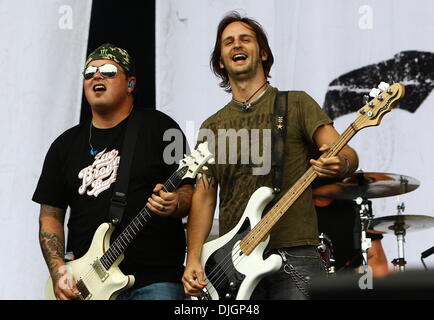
<point>117,207</point>
<point>276,190</point>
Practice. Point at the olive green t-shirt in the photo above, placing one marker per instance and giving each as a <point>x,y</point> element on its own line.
<point>244,166</point>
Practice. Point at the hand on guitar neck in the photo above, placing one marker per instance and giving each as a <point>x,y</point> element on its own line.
<point>338,166</point>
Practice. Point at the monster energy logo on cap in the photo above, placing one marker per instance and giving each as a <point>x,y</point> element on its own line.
<point>116,54</point>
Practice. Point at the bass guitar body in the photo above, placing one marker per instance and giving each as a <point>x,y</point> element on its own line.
<point>230,273</point>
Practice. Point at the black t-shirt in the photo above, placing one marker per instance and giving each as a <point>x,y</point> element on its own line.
<point>72,177</point>
<point>340,221</point>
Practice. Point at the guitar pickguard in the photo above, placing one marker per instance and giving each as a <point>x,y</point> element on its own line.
<point>225,277</point>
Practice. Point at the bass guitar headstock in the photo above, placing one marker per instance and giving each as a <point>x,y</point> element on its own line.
<point>384,100</point>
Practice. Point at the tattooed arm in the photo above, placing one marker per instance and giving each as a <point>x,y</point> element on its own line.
<point>52,241</point>
<point>199,225</point>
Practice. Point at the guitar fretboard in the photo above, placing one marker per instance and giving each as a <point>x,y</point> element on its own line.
<point>262,229</point>
<point>138,223</point>
<point>369,115</point>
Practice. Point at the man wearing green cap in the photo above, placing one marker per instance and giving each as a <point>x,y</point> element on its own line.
<point>80,171</point>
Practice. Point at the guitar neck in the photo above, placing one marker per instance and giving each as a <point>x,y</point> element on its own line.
<point>128,235</point>
<point>262,229</point>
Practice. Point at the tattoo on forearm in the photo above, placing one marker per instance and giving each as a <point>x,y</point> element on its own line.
<point>52,242</point>
<point>52,248</point>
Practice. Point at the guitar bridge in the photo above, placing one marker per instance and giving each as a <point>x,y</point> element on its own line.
<point>100,270</point>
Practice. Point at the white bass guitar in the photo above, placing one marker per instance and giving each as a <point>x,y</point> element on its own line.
<point>234,263</point>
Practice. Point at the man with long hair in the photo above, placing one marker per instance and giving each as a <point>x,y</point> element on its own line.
<point>243,59</point>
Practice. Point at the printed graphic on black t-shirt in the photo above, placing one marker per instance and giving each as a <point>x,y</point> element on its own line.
<point>100,175</point>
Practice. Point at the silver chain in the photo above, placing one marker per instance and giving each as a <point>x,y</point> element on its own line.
<point>295,275</point>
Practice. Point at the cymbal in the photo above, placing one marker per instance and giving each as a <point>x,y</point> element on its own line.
<point>403,222</point>
<point>368,185</point>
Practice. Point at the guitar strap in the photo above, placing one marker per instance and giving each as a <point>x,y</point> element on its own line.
<point>280,118</point>
<point>118,201</point>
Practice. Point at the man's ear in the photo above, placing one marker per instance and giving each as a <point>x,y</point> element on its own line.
<point>222,66</point>
<point>131,84</point>
<point>264,55</point>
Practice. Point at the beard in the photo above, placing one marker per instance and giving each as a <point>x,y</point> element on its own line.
<point>248,71</point>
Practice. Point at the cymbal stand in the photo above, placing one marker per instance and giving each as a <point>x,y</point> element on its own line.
<point>399,231</point>
<point>365,211</point>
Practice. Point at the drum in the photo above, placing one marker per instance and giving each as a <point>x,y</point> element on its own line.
<point>325,250</point>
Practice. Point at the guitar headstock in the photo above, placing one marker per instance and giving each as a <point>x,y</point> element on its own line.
<point>198,158</point>
<point>384,99</point>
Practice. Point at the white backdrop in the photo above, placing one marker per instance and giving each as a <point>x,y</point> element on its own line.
<point>314,42</point>
<point>42,50</point>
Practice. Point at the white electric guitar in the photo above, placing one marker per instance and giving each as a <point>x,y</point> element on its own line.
<point>97,274</point>
<point>234,263</point>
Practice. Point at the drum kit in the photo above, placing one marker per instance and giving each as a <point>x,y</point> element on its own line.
<point>362,186</point>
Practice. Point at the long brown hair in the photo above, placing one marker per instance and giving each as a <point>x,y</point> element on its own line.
<point>261,37</point>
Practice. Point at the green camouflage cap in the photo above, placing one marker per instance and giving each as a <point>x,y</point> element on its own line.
<point>116,54</point>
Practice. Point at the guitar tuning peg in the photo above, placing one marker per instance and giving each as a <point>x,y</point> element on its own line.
<point>383,86</point>
<point>365,99</point>
<point>390,79</point>
<point>374,92</point>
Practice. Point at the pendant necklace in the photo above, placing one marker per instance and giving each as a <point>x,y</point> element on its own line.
<point>93,151</point>
<point>247,104</point>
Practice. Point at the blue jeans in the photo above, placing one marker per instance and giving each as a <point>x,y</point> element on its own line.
<point>292,280</point>
<point>155,291</point>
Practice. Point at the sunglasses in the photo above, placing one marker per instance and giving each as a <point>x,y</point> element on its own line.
<point>106,70</point>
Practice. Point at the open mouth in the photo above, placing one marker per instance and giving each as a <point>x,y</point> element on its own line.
<point>239,57</point>
<point>99,88</point>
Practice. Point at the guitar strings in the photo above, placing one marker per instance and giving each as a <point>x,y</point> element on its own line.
<point>177,179</point>
<point>108,255</point>
<point>250,236</point>
<point>219,279</point>
<point>237,260</point>
<point>227,264</point>
<point>333,151</point>
<point>301,185</point>
<point>335,148</point>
